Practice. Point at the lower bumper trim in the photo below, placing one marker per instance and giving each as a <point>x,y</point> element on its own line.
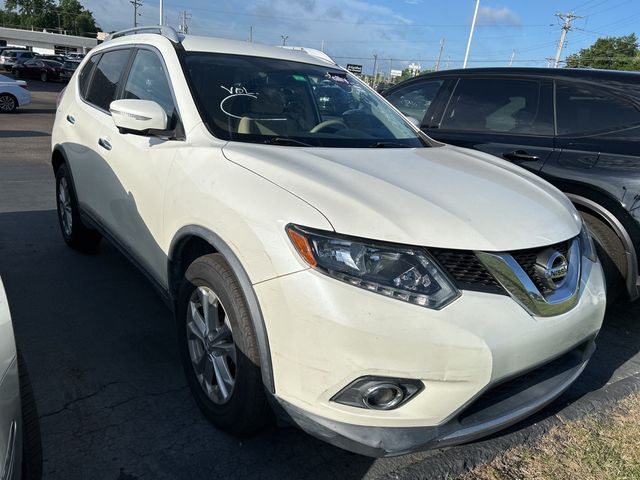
<point>500,407</point>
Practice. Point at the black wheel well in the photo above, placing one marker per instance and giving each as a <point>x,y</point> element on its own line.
<point>57,159</point>
<point>184,253</point>
<point>607,202</point>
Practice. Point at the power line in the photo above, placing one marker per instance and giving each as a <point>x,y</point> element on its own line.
<point>346,22</point>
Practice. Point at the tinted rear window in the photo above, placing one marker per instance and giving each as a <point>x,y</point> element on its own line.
<point>104,82</point>
<point>85,74</point>
<point>583,109</point>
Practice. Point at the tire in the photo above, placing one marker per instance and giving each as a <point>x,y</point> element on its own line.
<point>8,103</point>
<point>75,233</point>
<point>245,408</point>
<point>31,439</point>
<point>16,73</point>
<point>611,253</point>
<point>44,77</point>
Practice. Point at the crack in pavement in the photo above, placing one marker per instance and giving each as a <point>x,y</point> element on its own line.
<point>102,389</point>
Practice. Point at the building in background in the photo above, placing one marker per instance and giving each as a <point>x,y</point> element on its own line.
<point>44,42</point>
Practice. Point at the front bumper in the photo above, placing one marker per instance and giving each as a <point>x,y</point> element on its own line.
<point>500,406</point>
<point>324,334</point>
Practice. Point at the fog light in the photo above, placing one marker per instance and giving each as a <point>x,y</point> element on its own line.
<point>383,396</point>
<point>378,393</point>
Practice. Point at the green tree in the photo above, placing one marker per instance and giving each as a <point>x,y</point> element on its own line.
<point>68,15</point>
<point>75,18</point>
<point>612,53</point>
<point>36,13</point>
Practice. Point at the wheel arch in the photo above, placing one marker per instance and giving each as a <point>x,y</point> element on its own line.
<point>58,158</point>
<point>613,214</point>
<point>193,241</point>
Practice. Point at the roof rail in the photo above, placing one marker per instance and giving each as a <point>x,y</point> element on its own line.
<point>310,51</point>
<point>165,31</point>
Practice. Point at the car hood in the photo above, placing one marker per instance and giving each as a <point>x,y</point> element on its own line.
<point>440,197</point>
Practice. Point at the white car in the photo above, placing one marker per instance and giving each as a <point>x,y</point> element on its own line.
<point>20,449</point>
<point>383,291</point>
<point>13,94</point>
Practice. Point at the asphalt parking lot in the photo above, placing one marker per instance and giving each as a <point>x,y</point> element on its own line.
<point>104,363</point>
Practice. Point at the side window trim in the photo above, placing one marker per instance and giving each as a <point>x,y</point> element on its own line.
<point>442,101</point>
<point>101,53</point>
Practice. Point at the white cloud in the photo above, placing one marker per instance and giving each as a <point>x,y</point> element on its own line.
<point>497,16</point>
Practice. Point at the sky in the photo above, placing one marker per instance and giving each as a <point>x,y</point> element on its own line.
<point>397,31</point>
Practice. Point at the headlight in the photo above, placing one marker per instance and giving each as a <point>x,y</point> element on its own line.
<point>586,244</point>
<point>405,273</point>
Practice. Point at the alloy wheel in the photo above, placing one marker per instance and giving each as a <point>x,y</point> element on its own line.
<point>64,207</point>
<point>7,103</point>
<point>211,346</point>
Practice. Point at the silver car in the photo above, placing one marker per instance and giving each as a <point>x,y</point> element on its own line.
<point>20,449</point>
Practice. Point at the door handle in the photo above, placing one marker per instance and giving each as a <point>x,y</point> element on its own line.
<point>71,119</point>
<point>520,156</point>
<point>104,143</point>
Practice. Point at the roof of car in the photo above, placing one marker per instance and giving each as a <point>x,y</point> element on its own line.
<point>549,72</point>
<point>195,43</point>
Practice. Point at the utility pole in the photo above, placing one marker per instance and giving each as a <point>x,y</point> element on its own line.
<point>437,67</point>
<point>136,4</point>
<point>250,33</point>
<point>161,12</point>
<point>390,68</point>
<point>322,46</point>
<point>375,69</point>
<point>513,56</point>
<point>567,18</point>
<point>184,17</point>
<point>284,39</point>
<point>473,26</point>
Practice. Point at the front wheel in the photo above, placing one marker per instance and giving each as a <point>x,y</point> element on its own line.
<point>44,77</point>
<point>74,232</point>
<point>219,348</point>
<point>8,103</point>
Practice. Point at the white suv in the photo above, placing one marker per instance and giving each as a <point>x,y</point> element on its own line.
<point>324,259</point>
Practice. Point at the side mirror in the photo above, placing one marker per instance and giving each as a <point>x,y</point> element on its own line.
<point>138,116</point>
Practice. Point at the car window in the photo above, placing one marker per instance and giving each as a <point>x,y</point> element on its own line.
<point>498,105</point>
<point>582,109</point>
<point>147,80</point>
<point>414,100</point>
<point>264,100</point>
<point>30,62</point>
<point>104,82</point>
<point>85,74</point>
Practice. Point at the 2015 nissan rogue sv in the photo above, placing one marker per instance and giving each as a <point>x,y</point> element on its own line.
<point>323,257</point>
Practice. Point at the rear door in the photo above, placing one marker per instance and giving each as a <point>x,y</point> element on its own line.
<point>598,128</point>
<point>511,118</point>
<point>85,119</point>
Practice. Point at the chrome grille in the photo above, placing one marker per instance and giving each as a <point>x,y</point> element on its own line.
<point>527,260</point>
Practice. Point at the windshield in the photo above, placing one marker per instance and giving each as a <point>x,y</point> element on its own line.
<point>264,100</point>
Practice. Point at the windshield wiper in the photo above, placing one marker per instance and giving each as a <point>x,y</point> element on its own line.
<point>388,145</point>
<point>286,141</point>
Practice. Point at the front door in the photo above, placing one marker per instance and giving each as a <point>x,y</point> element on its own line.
<point>509,118</point>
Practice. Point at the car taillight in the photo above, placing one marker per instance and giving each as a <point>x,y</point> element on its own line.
<point>60,97</point>
<point>25,86</point>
